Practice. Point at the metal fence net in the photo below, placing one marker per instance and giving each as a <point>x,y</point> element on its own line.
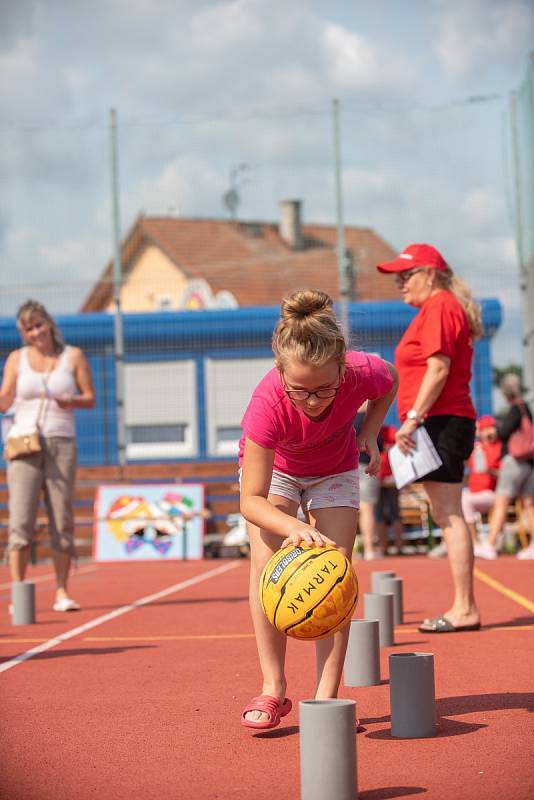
<point>201,187</point>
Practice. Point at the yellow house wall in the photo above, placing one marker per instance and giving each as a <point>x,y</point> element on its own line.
<point>152,276</point>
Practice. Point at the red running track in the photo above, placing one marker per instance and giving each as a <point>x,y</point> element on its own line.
<point>146,703</point>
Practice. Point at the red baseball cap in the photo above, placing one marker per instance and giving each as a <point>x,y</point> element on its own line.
<point>486,422</point>
<point>415,255</point>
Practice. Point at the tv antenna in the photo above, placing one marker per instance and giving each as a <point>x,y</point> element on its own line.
<point>231,198</point>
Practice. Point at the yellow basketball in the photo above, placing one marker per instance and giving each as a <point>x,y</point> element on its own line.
<point>308,592</point>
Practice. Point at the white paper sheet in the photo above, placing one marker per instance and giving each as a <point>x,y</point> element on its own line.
<point>421,461</point>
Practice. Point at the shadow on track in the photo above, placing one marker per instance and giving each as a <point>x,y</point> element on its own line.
<point>278,733</point>
<point>181,602</point>
<point>511,623</point>
<point>463,704</point>
<point>387,792</point>
<point>83,651</point>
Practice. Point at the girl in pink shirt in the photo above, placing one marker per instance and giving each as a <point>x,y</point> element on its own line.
<point>299,449</point>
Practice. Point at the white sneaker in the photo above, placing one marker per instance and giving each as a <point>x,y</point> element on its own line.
<point>439,551</point>
<point>485,550</point>
<point>373,555</point>
<point>527,554</point>
<point>66,604</point>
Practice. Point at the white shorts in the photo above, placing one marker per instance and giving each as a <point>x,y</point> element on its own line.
<point>475,503</point>
<point>342,489</point>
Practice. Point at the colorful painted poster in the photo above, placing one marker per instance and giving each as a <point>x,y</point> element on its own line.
<point>147,522</point>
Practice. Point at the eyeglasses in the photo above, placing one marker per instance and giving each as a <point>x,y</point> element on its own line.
<point>404,277</point>
<point>320,394</point>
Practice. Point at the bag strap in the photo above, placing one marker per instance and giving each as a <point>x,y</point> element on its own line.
<point>523,411</point>
<point>39,410</point>
<point>41,402</point>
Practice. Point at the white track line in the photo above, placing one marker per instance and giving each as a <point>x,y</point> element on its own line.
<point>178,587</point>
<point>50,576</point>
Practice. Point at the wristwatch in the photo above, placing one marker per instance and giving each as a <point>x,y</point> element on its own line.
<point>412,414</point>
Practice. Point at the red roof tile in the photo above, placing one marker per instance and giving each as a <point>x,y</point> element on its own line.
<point>252,260</point>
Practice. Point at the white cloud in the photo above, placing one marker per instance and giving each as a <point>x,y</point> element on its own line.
<point>57,271</point>
<point>481,208</point>
<point>19,71</point>
<point>356,64</point>
<point>471,36</point>
<point>221,27</point>
<point>184,187</point>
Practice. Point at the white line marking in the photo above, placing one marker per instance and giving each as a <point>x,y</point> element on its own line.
<point>117,613</point>
<point>50,576</point>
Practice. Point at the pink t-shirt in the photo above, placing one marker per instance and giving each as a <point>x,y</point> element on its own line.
<point>314,447</point>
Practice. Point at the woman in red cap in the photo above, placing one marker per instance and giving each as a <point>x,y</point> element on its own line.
<point>433,359</point>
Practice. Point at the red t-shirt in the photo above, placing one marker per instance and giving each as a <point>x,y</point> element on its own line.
<point>481,481</point>
<point>321,446</point>
<point>387,433</point>
<point>441,326</point>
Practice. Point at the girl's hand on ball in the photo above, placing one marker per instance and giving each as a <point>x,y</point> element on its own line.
<point>308,535</point>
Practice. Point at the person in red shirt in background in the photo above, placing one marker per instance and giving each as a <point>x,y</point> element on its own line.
<point>484,463</point>
<point>433,360</point>
<point>478,497</point>
<point>387,512</point>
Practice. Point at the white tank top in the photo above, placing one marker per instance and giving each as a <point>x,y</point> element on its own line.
<point>32,385</point>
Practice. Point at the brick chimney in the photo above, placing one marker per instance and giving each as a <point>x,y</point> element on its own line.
<point>290,226</point>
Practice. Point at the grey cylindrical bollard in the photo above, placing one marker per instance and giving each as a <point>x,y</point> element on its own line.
<point>362,661</point>
<point>380,607</point>
<point>328,749</point>
<point>23,602</point>
<point>412,697</point>
<point>376,577</point>
<point>393,586</point>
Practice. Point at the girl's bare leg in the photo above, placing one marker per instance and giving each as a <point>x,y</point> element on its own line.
<point>271,644</point>
<point>339,524</point>
<point>367,528</point>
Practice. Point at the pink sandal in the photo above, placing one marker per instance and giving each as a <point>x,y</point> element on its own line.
<point>268,705</point>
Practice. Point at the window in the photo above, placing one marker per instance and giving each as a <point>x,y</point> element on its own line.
<point>229,386</point>
<point>161,409</point>
<point>141,434</point>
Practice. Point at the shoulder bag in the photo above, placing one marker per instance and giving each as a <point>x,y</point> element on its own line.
<point>27,443</point>
<point>521,442</point>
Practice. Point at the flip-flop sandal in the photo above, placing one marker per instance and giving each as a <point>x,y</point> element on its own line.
<point>268,705</point>
<point>443,625</point>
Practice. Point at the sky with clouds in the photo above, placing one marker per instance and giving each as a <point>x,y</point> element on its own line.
<point>202,86</point>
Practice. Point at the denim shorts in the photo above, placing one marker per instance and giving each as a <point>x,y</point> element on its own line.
<point>331,491</point>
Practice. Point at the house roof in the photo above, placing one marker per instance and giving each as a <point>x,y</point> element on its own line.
<point>252,260</point>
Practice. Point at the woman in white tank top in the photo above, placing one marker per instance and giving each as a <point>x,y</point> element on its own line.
<point>44,381</point>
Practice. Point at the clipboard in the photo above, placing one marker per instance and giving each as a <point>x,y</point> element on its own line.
<point>409,468</point>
